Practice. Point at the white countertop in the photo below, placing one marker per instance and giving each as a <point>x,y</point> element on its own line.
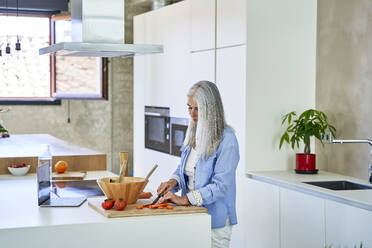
<point>28,145</point>
<point>293,181</point>
<point>19,207</point>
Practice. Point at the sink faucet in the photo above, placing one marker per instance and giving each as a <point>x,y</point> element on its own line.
<point>328,138</point>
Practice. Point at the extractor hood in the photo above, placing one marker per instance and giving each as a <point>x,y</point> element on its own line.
<point>97,30</point>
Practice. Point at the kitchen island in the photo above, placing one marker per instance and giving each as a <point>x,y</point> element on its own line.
<point>24,224</point>
<point>25,148</point>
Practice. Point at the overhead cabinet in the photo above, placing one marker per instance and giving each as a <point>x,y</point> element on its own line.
<point>203,16</point>
<point>231,22</point>
<point>217,23</point>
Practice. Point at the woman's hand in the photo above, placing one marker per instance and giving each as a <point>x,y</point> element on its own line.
<point>165,187</point>
<point>178,200</point>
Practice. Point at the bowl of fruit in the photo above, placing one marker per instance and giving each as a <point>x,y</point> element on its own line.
<point>19,169</point>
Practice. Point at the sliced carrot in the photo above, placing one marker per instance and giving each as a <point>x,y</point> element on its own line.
<point>139,207</point>
<point>169,207</point>
<point>160,207</point>
<point>163,204</point>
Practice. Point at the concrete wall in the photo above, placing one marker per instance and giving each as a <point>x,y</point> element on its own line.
<point>344,88</point>
<point>105,126</point>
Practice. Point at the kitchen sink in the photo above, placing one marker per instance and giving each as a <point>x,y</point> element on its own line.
<point>339,185</point>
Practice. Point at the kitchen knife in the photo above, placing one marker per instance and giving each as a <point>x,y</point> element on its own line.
<point>157,199</point>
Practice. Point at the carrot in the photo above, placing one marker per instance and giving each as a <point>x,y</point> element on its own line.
<point>163,204</point>
<point>139,207</point>
<point>169,207</point>
<point>144,195</point>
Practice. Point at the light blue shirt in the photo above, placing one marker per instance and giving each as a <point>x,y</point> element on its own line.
<point>215,178</point>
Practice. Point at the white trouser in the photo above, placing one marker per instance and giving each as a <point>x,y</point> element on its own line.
<point>221,237</point>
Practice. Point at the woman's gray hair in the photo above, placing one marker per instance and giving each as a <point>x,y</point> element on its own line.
<point>207,133</point>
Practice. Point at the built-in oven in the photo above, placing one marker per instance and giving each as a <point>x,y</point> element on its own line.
<point>178,134</point>
<point>157,128</point>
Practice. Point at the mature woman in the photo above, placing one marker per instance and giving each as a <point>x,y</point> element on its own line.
<point>210,155</point>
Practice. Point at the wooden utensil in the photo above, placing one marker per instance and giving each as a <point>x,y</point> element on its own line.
<point>123,169</point>
<point>123,166</point>
<point>124,157</point>
<point>151,171</point>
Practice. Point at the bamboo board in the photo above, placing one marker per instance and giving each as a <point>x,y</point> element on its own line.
<point>69,175</point>
<point>131,211</point>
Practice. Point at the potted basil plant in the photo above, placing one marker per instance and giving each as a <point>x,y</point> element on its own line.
<point>311,123</point>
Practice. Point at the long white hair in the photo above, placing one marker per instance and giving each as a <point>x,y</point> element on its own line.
<point>207,133</point>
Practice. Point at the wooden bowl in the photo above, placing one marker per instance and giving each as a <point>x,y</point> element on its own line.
<point>129,190</point>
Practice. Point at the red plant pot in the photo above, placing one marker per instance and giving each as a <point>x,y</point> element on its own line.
<point>305,162</point>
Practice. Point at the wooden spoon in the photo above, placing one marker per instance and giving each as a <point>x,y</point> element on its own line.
<point>151,171</point>
<point>123,169</point>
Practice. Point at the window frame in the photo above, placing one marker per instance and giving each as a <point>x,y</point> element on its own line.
<point>31,100</point>
<point>72,96</point>
<point>56,99</point>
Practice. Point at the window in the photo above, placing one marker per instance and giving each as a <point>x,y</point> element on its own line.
<point>26,76</point>
<point>76,77</point>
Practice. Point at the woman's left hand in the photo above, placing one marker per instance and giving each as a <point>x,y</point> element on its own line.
<point>178,200</point>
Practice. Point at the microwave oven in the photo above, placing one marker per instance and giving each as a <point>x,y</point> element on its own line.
<point>178,134</point>
<point>157,128</point>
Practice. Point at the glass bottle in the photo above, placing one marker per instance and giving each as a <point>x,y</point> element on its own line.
<point>45,156</point>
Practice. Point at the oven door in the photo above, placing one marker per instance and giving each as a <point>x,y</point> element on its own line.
<point>157,133</point>
<point>178,134</point>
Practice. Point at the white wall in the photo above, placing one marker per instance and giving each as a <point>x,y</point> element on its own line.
<point>281,52</point>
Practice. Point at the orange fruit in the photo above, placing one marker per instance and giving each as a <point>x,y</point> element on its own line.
<point>61,166</point>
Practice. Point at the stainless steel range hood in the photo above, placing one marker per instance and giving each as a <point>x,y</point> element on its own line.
<point>97,30</point>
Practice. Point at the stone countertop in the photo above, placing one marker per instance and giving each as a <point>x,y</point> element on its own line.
<point>291,180</point>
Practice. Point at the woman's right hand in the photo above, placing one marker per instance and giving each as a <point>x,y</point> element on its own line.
<point>165,187</point>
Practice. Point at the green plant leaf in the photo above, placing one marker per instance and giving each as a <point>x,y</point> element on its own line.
<point>310,123</point>
<point>281,141</point>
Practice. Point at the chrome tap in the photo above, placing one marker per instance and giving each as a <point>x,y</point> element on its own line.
<point>328,138</point>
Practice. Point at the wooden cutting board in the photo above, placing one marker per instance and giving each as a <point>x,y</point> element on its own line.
<point>131,210</point>
<point>69,175</point>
